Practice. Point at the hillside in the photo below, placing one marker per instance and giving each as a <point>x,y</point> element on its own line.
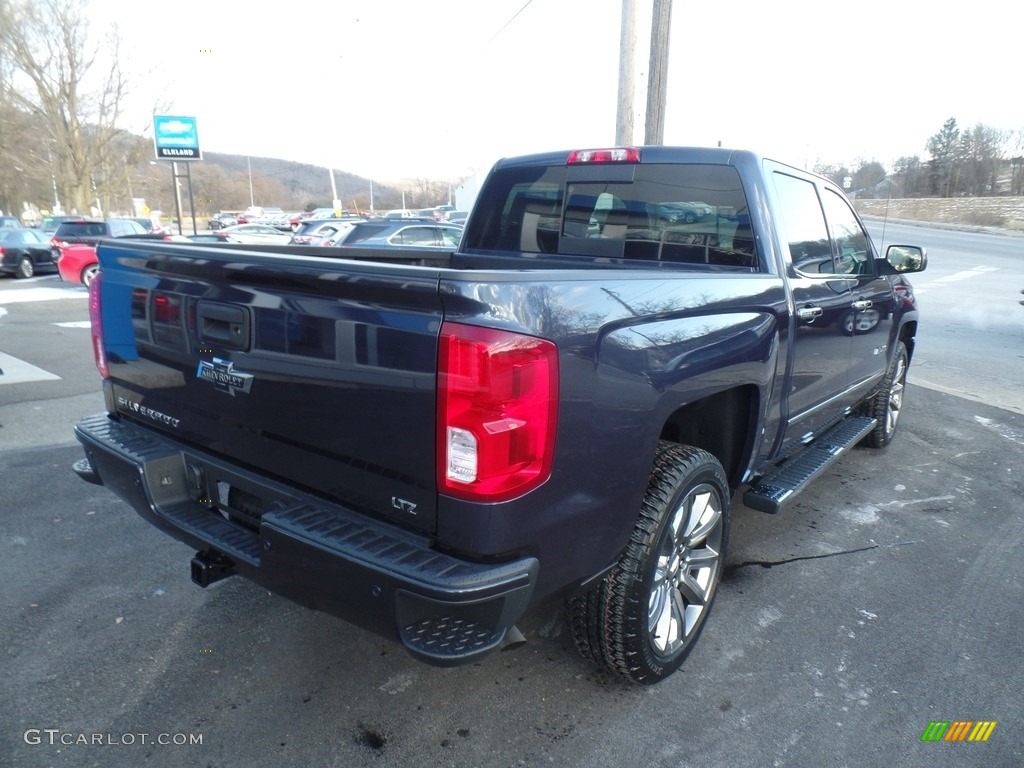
<point>226,182</point>
<point>299,182</point>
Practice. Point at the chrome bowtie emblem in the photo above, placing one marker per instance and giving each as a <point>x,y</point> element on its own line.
<point>224,377</point>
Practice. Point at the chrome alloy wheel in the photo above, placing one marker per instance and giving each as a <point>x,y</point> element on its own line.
<point>687,570</point>
<point>895,405</point>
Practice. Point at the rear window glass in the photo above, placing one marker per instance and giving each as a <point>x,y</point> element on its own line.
<point>362,232</point>
<point>82,229</point>
<point>689,214</point>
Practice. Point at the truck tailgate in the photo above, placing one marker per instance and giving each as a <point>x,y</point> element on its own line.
<point>320,372</point>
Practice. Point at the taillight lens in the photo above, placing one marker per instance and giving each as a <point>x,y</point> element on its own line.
<point>99,350</point>
<point>497,409</point>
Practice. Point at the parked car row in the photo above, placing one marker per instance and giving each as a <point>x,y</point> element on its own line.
<point>70,249</point>
<point>315,231</point>
<point>401,233</point>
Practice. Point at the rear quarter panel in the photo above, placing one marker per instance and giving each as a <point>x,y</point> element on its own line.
<point>633,348</point>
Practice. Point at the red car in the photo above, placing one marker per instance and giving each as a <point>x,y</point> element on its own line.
<point>77,263</point>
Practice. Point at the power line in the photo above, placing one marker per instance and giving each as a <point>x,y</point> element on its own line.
<point>510,20</point>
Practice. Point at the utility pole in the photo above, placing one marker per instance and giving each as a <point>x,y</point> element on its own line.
<point>248,162</point>
<point>657,76</point>
<point>627,66</point>
<point>334,194</point>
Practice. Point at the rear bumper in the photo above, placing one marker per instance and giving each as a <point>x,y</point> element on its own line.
<point>444,610</point>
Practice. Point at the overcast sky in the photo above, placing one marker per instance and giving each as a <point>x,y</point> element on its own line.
<point>405,89</point>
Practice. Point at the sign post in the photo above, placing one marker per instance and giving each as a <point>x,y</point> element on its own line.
<point>176,137</point>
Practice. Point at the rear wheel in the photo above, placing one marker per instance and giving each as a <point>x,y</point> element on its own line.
<point>643,618</point>
<point>25,267</point>
<point>89,273</point>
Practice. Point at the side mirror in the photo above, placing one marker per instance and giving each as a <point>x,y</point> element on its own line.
<point>906,258</point>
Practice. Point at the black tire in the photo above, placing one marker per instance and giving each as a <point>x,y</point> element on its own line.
<point>25,267</point>
<point>886,405</point>
<point>583,612</point>
<point>644,617</point>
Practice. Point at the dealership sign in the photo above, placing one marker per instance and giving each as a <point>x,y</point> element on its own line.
<point>176,138</point>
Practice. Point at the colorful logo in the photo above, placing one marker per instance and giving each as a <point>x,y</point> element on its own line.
<point>958,730</point>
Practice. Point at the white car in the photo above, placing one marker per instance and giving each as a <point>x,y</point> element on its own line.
<point>254,234</point>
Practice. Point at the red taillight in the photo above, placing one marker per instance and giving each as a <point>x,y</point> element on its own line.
<point>611,155</point>
<point>99,350</point>
<point>497,409</point>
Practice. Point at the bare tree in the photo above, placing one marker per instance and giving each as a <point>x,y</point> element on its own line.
<point>46,45</point>
<point>427,193</point>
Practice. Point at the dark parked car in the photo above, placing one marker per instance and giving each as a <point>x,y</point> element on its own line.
<point>402,233</point>
<point>91,231</point>
<point>9,222</point>
<point>23,252</point>
<point>222,220</point>
<point>49,224</point>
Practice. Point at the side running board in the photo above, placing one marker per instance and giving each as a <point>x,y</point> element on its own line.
<point>770,492</point>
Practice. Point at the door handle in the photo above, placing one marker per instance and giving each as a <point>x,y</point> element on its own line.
<point>862,304</point>
<point>223,324</point>
<point>809,314</point>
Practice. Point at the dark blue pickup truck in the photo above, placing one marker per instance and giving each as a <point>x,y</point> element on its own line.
<point>426,444</point>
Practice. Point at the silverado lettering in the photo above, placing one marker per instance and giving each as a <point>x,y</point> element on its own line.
<point>132,407</point>
<point>564,406</point>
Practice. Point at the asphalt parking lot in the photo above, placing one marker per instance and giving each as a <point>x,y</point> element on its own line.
<point>886,599</point>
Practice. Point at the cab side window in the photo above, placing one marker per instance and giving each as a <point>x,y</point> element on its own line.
<point>809,245</point>
<point>854,254</point>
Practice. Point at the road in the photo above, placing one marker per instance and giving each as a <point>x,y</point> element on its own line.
<point>971,345</point>
<point>887,597</point>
